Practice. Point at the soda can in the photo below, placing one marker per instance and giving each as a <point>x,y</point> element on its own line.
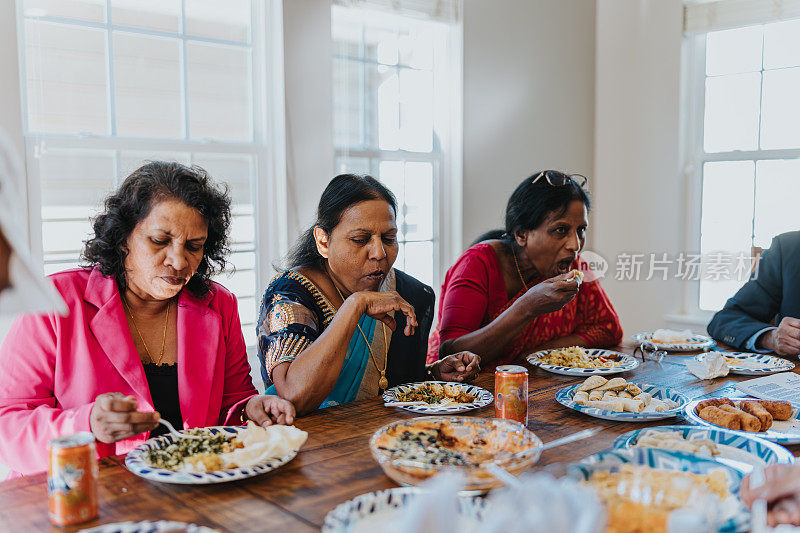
<point>511,393</point>
<point>72,475</point>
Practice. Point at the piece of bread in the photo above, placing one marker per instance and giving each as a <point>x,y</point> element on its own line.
<point>721,418</point>
<point>615,384</point>
<point>778,410</point>
<point>758,411</point>
<point>592,383</point>
<point>747,421</point>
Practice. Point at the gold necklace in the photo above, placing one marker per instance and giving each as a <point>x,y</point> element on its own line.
<point>518,270</point>
<point>383,383</point>
<point>163,341</point>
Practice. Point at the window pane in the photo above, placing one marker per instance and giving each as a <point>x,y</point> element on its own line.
<point>219,83</point>
<point>241,283</point>
<point>353,165</point>
<point>416,110</point>
<point>160,15</point>
<point>777,190</point>
<point>235,170</point>
<point>148,86</point>
<point>388,90</point>
<point>419,261</point>
<point>91,10</point>
<point>726,222</point>
<point>782,44</point>
<point>65,68</point>
<point>780,112</point>
<point>391,174</point>
<point>132,160</point>
<point>348,109</point>
<point>74,182</point>
<point>733,51</point>
<point>242,229</point>
<point>418,207</point>
<point>731,115</point>
<point>247,312</point>
<point>208,18</point>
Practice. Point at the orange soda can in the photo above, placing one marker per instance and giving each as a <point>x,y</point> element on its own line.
<point>72,473</point>
<point>511,393</point>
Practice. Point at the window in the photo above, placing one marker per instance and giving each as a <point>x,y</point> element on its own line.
<point>391,118</point>
<point>111,84</point>
<point>747,144</point>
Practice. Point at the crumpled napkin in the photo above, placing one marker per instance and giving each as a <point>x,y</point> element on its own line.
<point>539,503</point>
<point>708,365</point>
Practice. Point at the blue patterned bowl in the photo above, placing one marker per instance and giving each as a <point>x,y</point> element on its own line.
<point>695,343</point>
<point>564,397</point>
<point>482,398</point>
<point>136,461</point>
<point>737,451</point>
<point>627,363</point>
<point>774,434</point>
<point>739,519</point>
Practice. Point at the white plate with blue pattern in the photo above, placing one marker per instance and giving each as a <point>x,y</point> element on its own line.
<point>374,510</point>
<point>755,364</point>
<point>736,518</point>
<point>146,526</point>
<point>482,398</point>
<point>737,451</point>
<point>627,363</point>
<point>564,397</point>
<point>136,461</point>
<point>782,431</point>
<point>694,343</point>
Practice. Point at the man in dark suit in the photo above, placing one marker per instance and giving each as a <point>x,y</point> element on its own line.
<point>764,316</point>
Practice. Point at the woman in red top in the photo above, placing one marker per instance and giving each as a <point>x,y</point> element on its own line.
<point>514,292</point>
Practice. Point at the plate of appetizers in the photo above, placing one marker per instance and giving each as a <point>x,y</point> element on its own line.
<point>642,488</point>
<point>222,453</point>
<point>413,450</point>
<point>621,400</point>
<point>578,361</point>
<point>373,510</point>
<point>675,341</point>
<point>739,451</point>
<point>770,420</point>
<point>437,397</point>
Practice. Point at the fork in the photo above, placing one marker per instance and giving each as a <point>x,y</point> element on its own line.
<point>175,433</point>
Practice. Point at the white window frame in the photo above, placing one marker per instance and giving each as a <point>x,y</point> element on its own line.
<point>693,97</point>
<point>268,187</point>
<point>446,237</point>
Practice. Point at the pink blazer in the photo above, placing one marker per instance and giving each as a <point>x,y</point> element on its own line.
<point>53,367</point>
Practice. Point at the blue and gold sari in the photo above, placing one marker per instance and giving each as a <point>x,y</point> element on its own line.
<point>294,313</point>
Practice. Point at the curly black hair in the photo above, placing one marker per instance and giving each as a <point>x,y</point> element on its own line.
<point>132,202</point>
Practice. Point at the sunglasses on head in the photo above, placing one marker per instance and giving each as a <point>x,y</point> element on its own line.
<point>558,179</point>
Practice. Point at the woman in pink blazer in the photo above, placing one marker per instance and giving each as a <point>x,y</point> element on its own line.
<point>148,334</point>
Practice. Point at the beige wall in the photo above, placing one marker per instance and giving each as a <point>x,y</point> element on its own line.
<point>309,107</point>
<point>529,78</point>
<point>638,185</point>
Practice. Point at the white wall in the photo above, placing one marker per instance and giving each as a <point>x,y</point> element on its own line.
<point>309,107</point>
<point>638,186</point>
<point>528,98</point>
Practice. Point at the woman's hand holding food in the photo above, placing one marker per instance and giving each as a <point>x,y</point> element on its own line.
<point>115,417</point>
<point>380,305</point>
<point>266,410</point>
<point>461,366</point>
<point>550,295</point>
<point>781,490</point>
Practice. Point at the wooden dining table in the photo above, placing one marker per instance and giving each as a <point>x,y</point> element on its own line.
<point>335,464</point>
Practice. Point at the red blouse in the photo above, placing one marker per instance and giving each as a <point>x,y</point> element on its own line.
<point>474,294</point>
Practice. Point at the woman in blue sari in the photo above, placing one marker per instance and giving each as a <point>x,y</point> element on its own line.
<point>340,324</point>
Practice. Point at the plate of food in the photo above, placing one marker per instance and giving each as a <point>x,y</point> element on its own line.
<point>438,397</point>
<point>642,488</point>
<point>413,450</point>
<point>621,400</point>
<point>374,510</point>
<point>147,526</point>
<point>224,453</point>
<point>738,451</point>
<point>770,420</point>
<point>675,341</point>
<point>754,364</point>
<point>578,361</point>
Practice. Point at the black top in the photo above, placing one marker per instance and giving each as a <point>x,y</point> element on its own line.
<point>163,383</point>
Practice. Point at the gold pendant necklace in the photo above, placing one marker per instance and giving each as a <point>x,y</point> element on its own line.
<point>518,270</point>
<point>141,338</point>
<point>383,383</point>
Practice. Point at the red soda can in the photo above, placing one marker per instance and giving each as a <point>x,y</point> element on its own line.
<point>511,393</point>
<point>72,473</point>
